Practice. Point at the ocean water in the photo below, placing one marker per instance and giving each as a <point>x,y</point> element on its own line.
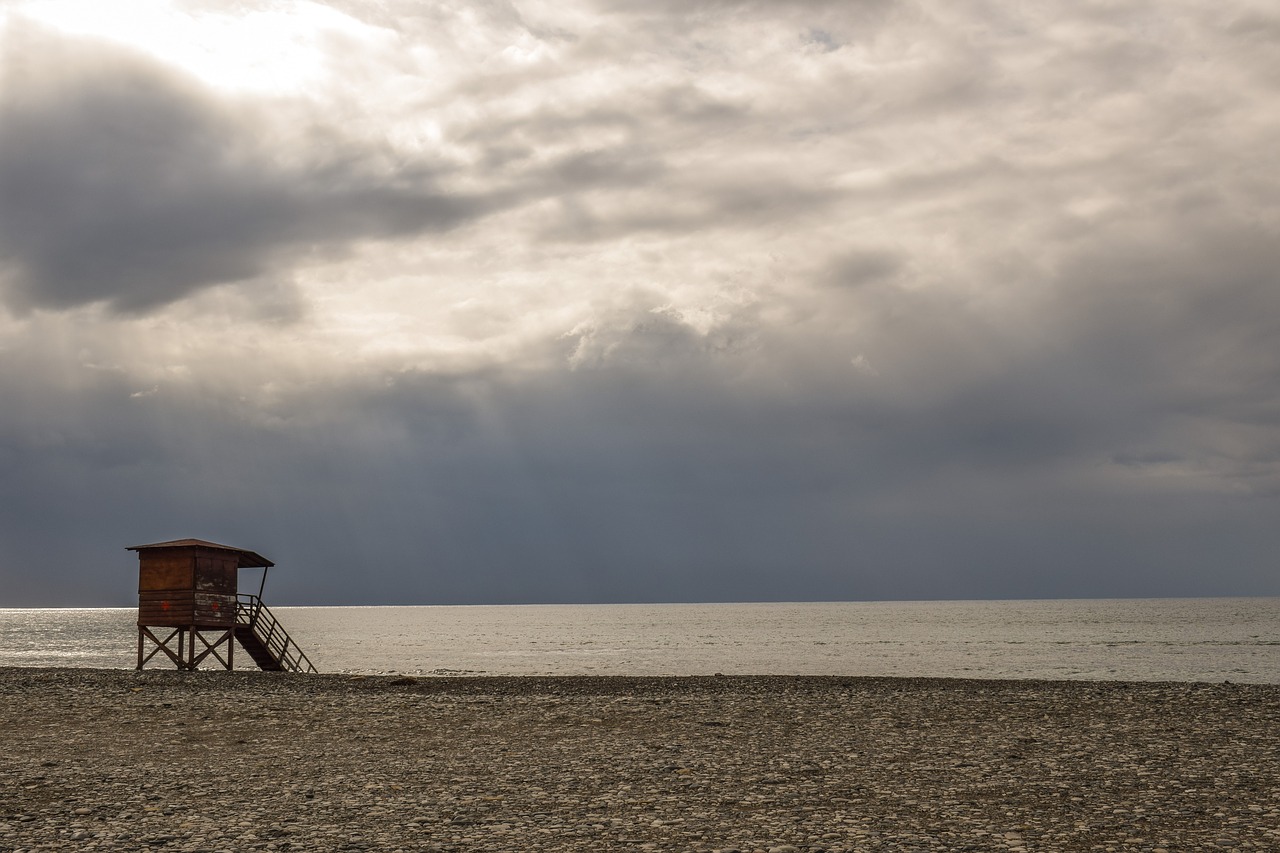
<point>1212,639</point>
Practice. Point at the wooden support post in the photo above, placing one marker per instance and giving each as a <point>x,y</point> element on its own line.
<point>160,646</point>
<point>180,646</point>
<point>227,636</point>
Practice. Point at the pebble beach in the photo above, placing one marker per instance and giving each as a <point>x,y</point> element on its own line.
<point>218,761</point>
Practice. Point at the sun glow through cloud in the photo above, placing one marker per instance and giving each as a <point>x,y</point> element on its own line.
<point>285,48</point>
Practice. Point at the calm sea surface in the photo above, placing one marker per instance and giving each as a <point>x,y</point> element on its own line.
<point>1160,639</point>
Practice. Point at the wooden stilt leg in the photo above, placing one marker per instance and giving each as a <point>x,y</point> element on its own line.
<point>160,646</point>
<point>211,648</point>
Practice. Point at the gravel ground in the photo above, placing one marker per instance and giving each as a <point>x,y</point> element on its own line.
<point>209,761</point>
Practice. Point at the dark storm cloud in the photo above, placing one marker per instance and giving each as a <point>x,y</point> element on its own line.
<point>123,182</point>
<point>861,267</point>
<point>599,489</point>
<point>789,300</point>
<point>741,461</point>
<point>1149,351</point>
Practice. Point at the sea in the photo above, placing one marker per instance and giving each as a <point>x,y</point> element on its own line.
<point>1201,639</point>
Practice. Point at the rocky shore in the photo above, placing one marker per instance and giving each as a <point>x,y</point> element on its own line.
<point>211,761</point>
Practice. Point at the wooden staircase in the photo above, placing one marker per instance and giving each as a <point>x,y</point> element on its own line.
<point>262,636</point>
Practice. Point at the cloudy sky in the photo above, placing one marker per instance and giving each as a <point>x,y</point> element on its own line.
<point>589,300</point>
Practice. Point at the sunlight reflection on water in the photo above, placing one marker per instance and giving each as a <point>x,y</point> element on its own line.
<point>1159,639</point>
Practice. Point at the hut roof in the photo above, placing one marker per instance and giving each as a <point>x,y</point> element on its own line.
<point>248,559</point>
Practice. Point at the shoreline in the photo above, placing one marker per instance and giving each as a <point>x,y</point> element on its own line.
<point>442,676</point>
<point>446,674</point>
<point>105,759</point>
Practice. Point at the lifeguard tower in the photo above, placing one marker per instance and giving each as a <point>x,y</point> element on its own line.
<point>190,588</point>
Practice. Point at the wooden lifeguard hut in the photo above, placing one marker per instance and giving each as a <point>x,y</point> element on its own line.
<point>190,588</point>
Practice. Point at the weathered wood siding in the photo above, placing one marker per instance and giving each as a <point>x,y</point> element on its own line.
<point>186,586</point>
<point>172,608</point>
<point>165,570</point>
<point>179,608</point>
<point>215,609</point>
<point>216,573</point>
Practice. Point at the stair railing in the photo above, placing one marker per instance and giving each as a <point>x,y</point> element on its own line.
<point>252,612</point>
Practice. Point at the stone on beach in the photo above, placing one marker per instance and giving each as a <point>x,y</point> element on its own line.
<point>120,760</point>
